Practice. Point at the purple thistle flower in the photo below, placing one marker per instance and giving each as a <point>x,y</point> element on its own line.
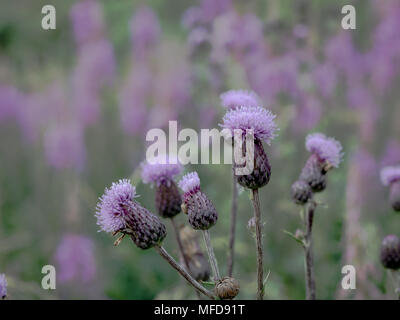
<point>390,175</point>
<point>234,99</point>
<point>258,119</point>
<point>190,183</point>
<point>200,210</point>
<point>160,170</point>
<point>3,286</point>
<point>117,211</point>
<point>145,30</point>
<point>112,208</point>
<point>75,259</point>
<point>325,148</point>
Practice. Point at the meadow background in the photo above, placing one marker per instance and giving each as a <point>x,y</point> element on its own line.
<point>76,103</point>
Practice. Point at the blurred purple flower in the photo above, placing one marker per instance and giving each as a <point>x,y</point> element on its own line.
<point>233,99</point>
<point>390,174</point>
<point>10,102</point>
<point>145,31</point>
<point>192,18</point>
<point>391,155</point>
<point>133,99</point>
<point>325,78</point>
<point>3,285</point>
<point>213,8</point>
<point>87,21</point>
<point>325,148</point>
<point>160,170</point>
<point>64,146</point>
<point>75,259</point>
<point>258,119</point>
<point>308,112</point>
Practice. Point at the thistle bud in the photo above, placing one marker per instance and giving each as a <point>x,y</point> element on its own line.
<point>3,286</point>
<point>201,212</point>
<point>395,195</point>
<point>227,288</point>
<point>161,173</point>
<point>301,192</point>
<point>313,174</point>
<point>261,173</point>
<point>118,212</point>
<point>390,252</point>
<point>168,199</point>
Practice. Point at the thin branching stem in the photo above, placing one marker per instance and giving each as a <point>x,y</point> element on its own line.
<point>308,252</point>
<point>180,245</point>
<point>211,255</point>
<point>231,253</point>
<point>163,253</point>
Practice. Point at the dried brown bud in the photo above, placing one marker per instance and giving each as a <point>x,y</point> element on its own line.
<point>227,288</point>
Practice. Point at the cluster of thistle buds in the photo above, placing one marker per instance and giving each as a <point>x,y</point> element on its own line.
<point>118,212</point>
<point>326,153</point>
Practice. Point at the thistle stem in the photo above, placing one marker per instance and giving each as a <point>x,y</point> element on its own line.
<point>163,253</point>
<point>260,271</point>
<point>396,281</point>
<point>211,255</point>
<point>308,251</point>
<point>180,245</point>
<point>231,256</point>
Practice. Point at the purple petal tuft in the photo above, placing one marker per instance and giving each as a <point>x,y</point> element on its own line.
<point>234,99</point>
<point>390,174</point>
<point>112,207</point>
<point>190,182</point>
<point>258,119</point>
<point>326,148</point>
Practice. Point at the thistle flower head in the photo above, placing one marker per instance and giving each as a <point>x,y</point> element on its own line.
<point>234,99</point>
<point>190,183</point>
<point>158,171</point>
<point>200,210</point>
<point>325,148</point>
<point>258,119</point>
<point>112,208</point>
<point>3,285</point>
<point>390,174</point>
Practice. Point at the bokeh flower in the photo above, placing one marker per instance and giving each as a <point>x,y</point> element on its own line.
<point>75,259</point>
<point>234,99</point>
<point>3,286</point>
